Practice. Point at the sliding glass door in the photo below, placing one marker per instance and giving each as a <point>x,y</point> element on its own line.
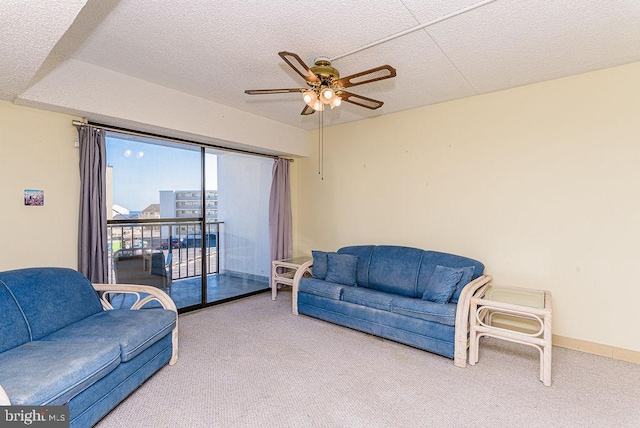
<point>243,183</point>
<point>176,223</point>
<point>152,190</point>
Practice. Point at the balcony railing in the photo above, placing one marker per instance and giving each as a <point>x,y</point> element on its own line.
<point>180,241</point>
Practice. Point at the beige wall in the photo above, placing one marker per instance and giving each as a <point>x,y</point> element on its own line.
<point>37,152</point>
<point>541,183</point>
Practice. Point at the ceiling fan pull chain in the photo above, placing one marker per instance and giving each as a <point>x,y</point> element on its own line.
<point>321,144</point>
<point>319,151</point>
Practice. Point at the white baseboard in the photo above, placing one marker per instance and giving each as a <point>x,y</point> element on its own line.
<point>597,349</point>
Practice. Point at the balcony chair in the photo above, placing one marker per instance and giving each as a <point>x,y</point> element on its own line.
<point>144,267</point>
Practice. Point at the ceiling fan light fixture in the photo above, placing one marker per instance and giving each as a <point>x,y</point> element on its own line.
<point>325,85</point>
<point>326,94</point>
<point>309,97</point>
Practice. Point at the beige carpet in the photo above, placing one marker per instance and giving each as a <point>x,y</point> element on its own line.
<point>251,363</point>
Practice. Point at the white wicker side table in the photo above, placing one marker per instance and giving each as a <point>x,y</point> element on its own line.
<point>282,272</point>
<point>515,314</point>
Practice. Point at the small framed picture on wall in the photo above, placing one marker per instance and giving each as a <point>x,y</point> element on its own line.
<point>34,198</point>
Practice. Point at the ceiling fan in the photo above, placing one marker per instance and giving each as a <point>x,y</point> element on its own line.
<point>325,85</point>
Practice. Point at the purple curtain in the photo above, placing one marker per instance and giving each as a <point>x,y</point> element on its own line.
<point>280,234</point>
<point>92,222</point>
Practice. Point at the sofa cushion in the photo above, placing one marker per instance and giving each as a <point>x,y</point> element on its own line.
<point>318,287</point>
<point>367,297</point>
<point>51,373</point>
<point>341,268</point>
<point>442,284</point>
<point>133,330</point>
<point>433,258</point>
<point>14,330</point>
<point>424,309</point>
<point>423,334</point>
<point>319,270</point>
<point>467,274</point>
<point>51,298</point>
<point>395,269</point>
<point>364,253</point>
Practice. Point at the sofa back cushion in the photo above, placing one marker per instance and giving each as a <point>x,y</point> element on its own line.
<point>442,284</point>
<point>467,274</point>
<point>364,259</point>
<point>394,269</point>
<point>403,270</point>
<point>320,264</point>
<point>432,259</point>
<point>51,298</point>
<point>342,268</point>
<point>13,327</point>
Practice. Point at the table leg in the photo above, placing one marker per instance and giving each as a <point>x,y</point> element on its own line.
<point>274,280</point>
<point>548,347</point>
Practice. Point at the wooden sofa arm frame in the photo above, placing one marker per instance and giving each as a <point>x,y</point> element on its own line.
<point>153,294</point>
<point>304,268</point>
<point>461,344</point>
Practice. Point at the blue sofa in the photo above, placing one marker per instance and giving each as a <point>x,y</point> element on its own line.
<point>62,344</point>
<point>416,297</point>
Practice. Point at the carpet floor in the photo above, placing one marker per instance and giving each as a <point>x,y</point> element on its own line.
<point>250,363</point>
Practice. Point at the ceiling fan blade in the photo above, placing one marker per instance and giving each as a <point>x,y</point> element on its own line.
<point>307,111</point>
<point>368,76</point>
<point>359,100</point>
<point>273,91</point>
<point>299,66</point>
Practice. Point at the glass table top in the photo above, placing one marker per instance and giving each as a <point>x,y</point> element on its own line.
<point>516,296</point>
<point>296,260</point>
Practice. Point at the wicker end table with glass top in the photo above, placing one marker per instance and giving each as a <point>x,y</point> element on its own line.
<point>514,314</point>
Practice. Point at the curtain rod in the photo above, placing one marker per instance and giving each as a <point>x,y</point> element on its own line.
<point>78,123</point>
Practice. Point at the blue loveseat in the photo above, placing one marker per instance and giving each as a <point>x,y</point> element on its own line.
<point>416,297</point>
<point>62,344</point>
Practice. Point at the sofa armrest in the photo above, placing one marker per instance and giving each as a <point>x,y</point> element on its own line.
<point>304,268</point>
<point>153,294</point>
<point>475,287</point>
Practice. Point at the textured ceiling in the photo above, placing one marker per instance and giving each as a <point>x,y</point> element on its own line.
<point>217,49</point>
